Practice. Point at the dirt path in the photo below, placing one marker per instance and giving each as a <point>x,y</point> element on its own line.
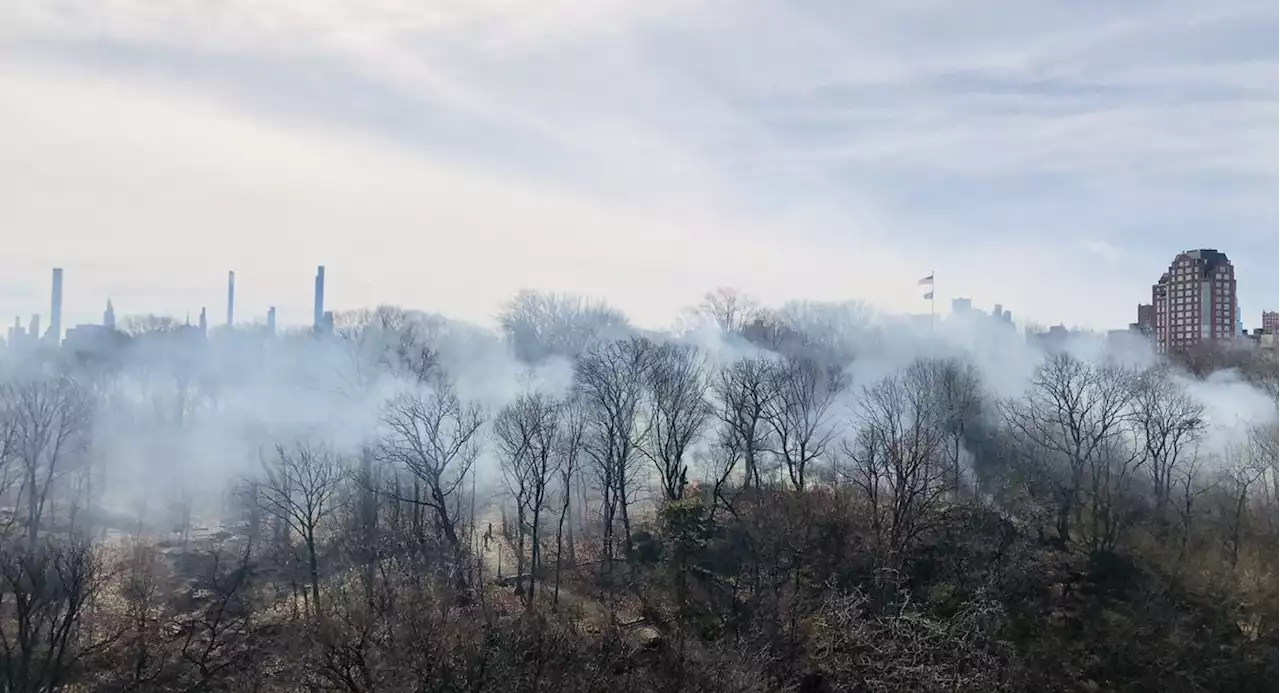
<point>594,613</point>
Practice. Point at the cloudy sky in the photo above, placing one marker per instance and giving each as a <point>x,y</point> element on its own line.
<point>442,154</point>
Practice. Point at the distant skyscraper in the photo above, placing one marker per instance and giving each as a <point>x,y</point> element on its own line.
<point>231,298</point>
<point>15,334</point>
<point>204,322</point>
<point>961,305</point>
<point>1146,318</point>
<point>55,309</point>
<point>1270,322</point>
<point>33,329</point>
<point>318,309</point>
<point>271,320</point>
<point>1195,301</point>
<point>109,316</point>
<point>1146,323</point>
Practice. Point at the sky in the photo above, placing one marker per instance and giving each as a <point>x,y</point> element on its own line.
<point>443,154</point>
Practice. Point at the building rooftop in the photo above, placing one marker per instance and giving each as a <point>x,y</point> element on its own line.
<point>1211,257</point>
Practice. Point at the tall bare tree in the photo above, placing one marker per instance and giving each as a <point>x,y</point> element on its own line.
<point>49,420</point>
<point>435,437</point>
<point>388,340</point>
<point>1238,480</point>
<point>609,381</point>
<point>676,413</point>
<point>728,309</point>
<point>744,391</point>
<point>1169,422</point>
<point>47,593</point>
<point>961,398</point>
<point>898,457</point>
<point>539,325</point>
<point>1071,413</point>
<point>799,413</point>
<point>299,488</point>
<point>569,444</point>
<point>527,431</point>
<point>10,468</point>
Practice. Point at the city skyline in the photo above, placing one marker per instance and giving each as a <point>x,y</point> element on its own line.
<point>448,156</point>
<point>1151,317</point>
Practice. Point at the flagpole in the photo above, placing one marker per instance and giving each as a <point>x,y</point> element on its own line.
<point>933,290</point>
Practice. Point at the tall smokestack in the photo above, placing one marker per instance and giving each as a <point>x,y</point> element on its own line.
<point>55,312</point>
<point>318,317</point>
<point>231,298</point>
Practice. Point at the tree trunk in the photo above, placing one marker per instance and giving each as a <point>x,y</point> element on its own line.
<point>564,511</point>
<point>314,568</point>
<point>626,518</point>
<point>535,554</point>
<point>520,563</point>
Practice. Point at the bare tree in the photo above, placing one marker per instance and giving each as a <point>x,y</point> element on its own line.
<point>10,468</point>
<point>798,414</point>
<point>1071,412</point>
<point>1110,493</point>
<point>720,461</point>
<point>1237,481</point>
<point>366,548</point>
<point>1168,422</point>
<point>48,427</point>
<point>527,432</point>
<point>146,658</point>
<point>609,381</point>
<point>677,412</point>
<point>744,391</point>
<point>539,325</point>
<point>727,309</point>
<point>1190,488</point>
<point>47,591</point>
<point>217,629</point>
<point>1264,451</point>
<point>770,329</point>
<point>389,339</point>
<point>142,324</point>
<point>961,397</point>
<point>569,450</point>
<point>434,436</point>
<point>830,332</point>
<point>299,487</point>
<point>899,454</point>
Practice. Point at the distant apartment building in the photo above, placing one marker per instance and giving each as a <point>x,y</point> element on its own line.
<point>960,306</point>
<point>1056,337</point>
<point>1002,315</point>
<point>1270,322</point>
<point>1195,301</point>
<point>1260,339</point>
<point>1146,323</point>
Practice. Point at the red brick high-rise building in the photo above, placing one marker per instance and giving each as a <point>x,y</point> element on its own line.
<point>1195,301</point>
<point>1270,322</point>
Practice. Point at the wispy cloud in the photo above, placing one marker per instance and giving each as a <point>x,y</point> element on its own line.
<point>1101,249</point>
<point>646,150</point>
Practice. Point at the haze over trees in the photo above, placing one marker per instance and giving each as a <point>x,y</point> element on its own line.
<point>808,498</point>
